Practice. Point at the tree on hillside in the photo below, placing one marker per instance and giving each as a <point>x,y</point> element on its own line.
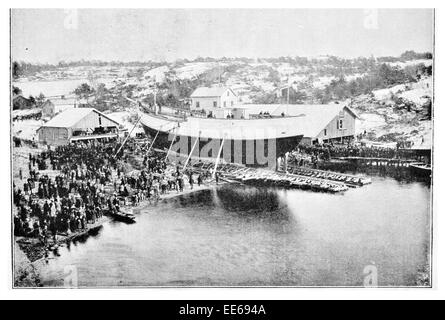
<point>171,100</point>
<point>295,97</point>
<point>266,98</point>
<point>321,96</point>
<point>393,76</point>
<point>83,91</point>
<point>40,99</point>
<point>101,90</point>
<point>299,98</point>
<point>130,89</point>
<point>16,90</point>
<point>32,100</point>
<point>16,70</point>
<point>418,70</point>
<point>412,55</point>
<point>274,76</point>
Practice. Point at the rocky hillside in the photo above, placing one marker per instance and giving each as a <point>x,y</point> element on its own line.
<point>392,95</point>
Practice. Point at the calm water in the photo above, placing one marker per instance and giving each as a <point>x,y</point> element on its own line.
<point>240,235</point>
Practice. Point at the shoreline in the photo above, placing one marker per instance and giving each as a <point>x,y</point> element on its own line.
<point>29,252</point>
<point>27,273</point>
<point>34,256</point>
<point>35,251</point>
<point>418,279</point>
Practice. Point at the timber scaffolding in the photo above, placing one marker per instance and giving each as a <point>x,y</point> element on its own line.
<point>295,178</point>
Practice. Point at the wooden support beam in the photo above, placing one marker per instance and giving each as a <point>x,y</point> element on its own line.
<point>126,138</point>
<point>153,142</point>
<point>171,145</point>
<point>191,151</point>
<point>217,158</point>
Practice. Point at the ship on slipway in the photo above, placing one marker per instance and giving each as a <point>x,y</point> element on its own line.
<point>254,135</point>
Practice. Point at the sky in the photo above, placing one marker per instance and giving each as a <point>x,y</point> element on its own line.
<point>53,35</point>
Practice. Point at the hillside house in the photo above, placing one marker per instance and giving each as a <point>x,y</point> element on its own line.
<point>209,99</point>
<point>20,102</point>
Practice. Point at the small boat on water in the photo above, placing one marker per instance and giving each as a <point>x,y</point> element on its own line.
<point>421,169</point>
<point>122,216</point>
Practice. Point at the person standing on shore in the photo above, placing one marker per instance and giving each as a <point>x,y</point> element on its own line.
<point>25,188</point>
<point>155,186</point>
<point>191,180</point>
<point>181,183</point>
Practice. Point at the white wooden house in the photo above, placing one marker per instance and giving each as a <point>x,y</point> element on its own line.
<point>208,99</point>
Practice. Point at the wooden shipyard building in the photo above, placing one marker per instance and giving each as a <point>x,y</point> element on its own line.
<point>76,124</point>
<point>317,123</point>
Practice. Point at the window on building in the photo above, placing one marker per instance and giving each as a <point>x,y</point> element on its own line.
<point>215,104</point>
<point>225,104</point>
<point>340,124</point>
<point>325,132</point>
<point>100,121</point>
<point>197,104</point>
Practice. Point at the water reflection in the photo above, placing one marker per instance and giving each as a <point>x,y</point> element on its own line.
<point>239,235</point>
<point>246,200</point>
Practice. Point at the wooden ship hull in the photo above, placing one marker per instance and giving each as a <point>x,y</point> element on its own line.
<point>251,142</point>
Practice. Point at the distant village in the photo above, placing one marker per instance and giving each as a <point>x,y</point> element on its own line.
<point>67,119</point>
<point>397,108</point>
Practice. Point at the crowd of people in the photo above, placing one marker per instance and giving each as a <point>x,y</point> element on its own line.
<point>311,154</point>
<point>88,182</point>
<point>71,186</point>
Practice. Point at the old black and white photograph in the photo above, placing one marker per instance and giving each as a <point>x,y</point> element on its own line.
<point>257,147</point>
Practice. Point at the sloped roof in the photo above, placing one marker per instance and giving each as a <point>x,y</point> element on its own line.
<point>19,101</point>
<point>71,116</point>
<point>312,119</point>
<point>20,97</point>
<point>210,92</point>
